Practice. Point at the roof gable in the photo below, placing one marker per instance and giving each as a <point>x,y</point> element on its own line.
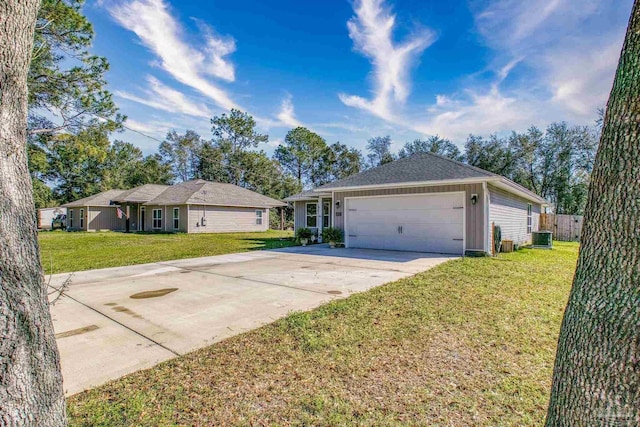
<point>201,192</point>
<point>101,199</point>
<point>143,193</point>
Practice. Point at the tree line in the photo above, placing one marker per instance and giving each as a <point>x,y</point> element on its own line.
<point>555,163</point>
<point>74,157</point>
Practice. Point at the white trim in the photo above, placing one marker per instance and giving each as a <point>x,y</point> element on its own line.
<point>259,217</point>
<point>188,230</point>
<point>417,184</point>
<point>174,218</point>
<point>305,214</point>
<point>464,211</point>
<point>153,219</point>
<point>323,201</point>
<point>487,225</point>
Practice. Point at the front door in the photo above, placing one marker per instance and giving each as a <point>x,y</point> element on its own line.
<point>142,218</point>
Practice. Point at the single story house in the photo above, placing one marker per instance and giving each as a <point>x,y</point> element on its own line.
<point>423,203</point>
<point>196,206</point>
<point>94,213</point>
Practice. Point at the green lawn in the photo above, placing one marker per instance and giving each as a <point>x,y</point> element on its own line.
<point>63,252</point>
<point>470,342</point>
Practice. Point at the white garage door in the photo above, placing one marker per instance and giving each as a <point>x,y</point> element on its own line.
<point>421,223</point>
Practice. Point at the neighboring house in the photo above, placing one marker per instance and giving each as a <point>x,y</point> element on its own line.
<point>46,215</point>
<point>94,213</point>
<point>196,206</point>
<point>423,203</point>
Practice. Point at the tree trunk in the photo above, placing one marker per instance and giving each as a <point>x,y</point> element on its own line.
<point>597,371</point>
<point>30,380</point>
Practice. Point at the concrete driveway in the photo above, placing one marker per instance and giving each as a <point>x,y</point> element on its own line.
<point>115,321</point>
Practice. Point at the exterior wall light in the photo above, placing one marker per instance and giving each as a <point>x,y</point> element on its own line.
<point>474,199</point>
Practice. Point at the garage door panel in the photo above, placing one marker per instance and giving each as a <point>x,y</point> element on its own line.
<point>430,223</point>
<point>432,230</point>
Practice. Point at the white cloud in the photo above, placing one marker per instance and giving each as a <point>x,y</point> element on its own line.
<point>162,97</point>
<point>568,52</point>
<point>371,30</point>
<point>153,128</point>
<point>571,47</point>
<point>287,115</point>
<point>160,32</point>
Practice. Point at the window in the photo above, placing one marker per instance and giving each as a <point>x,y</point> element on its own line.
<point>311,215</point>
<point>326,214</point>
<point>81,218</point>
<point>529,219</point>
<point>176,218</point>
<point>258,217</point>
<point>157,219</point>
<point>70,218</point>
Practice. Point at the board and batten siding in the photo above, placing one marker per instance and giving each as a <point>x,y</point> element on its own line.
<point>299,211</point>
<point>224,219</point>
<point>474,219</point>
<point>509,211</point>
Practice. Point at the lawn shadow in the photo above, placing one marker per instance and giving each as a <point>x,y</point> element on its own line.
<point>270,243</point>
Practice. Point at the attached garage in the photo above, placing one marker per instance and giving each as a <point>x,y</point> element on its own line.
<point>416,222</point>
<point>422,203</point>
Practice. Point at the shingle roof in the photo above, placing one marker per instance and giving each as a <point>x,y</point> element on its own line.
<point>305,195</point>
<point>419,167</point>
<point>201,192</point>
<point>100,199</point>
<point>141,194</point>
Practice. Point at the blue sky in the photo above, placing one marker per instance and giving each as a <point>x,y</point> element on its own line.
<point>351,70</point>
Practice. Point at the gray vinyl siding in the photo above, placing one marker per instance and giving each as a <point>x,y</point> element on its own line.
<point>509,211</point>
<point>474,220</point>
<point>224,219</point>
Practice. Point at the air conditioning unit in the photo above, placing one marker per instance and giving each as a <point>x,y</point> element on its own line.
<point>542,239</point>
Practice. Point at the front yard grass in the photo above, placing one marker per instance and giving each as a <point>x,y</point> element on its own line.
<point>470,342</point>
<point>63,252</point>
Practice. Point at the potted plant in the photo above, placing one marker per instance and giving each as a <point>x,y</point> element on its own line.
<point>332,235</point>
<point>304,234</point>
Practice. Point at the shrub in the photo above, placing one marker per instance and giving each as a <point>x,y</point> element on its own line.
<point>332,234</point>
<point>497,238</point>
<point>304,233</point>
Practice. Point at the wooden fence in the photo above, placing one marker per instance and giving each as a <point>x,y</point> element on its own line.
<point>564,227</point>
